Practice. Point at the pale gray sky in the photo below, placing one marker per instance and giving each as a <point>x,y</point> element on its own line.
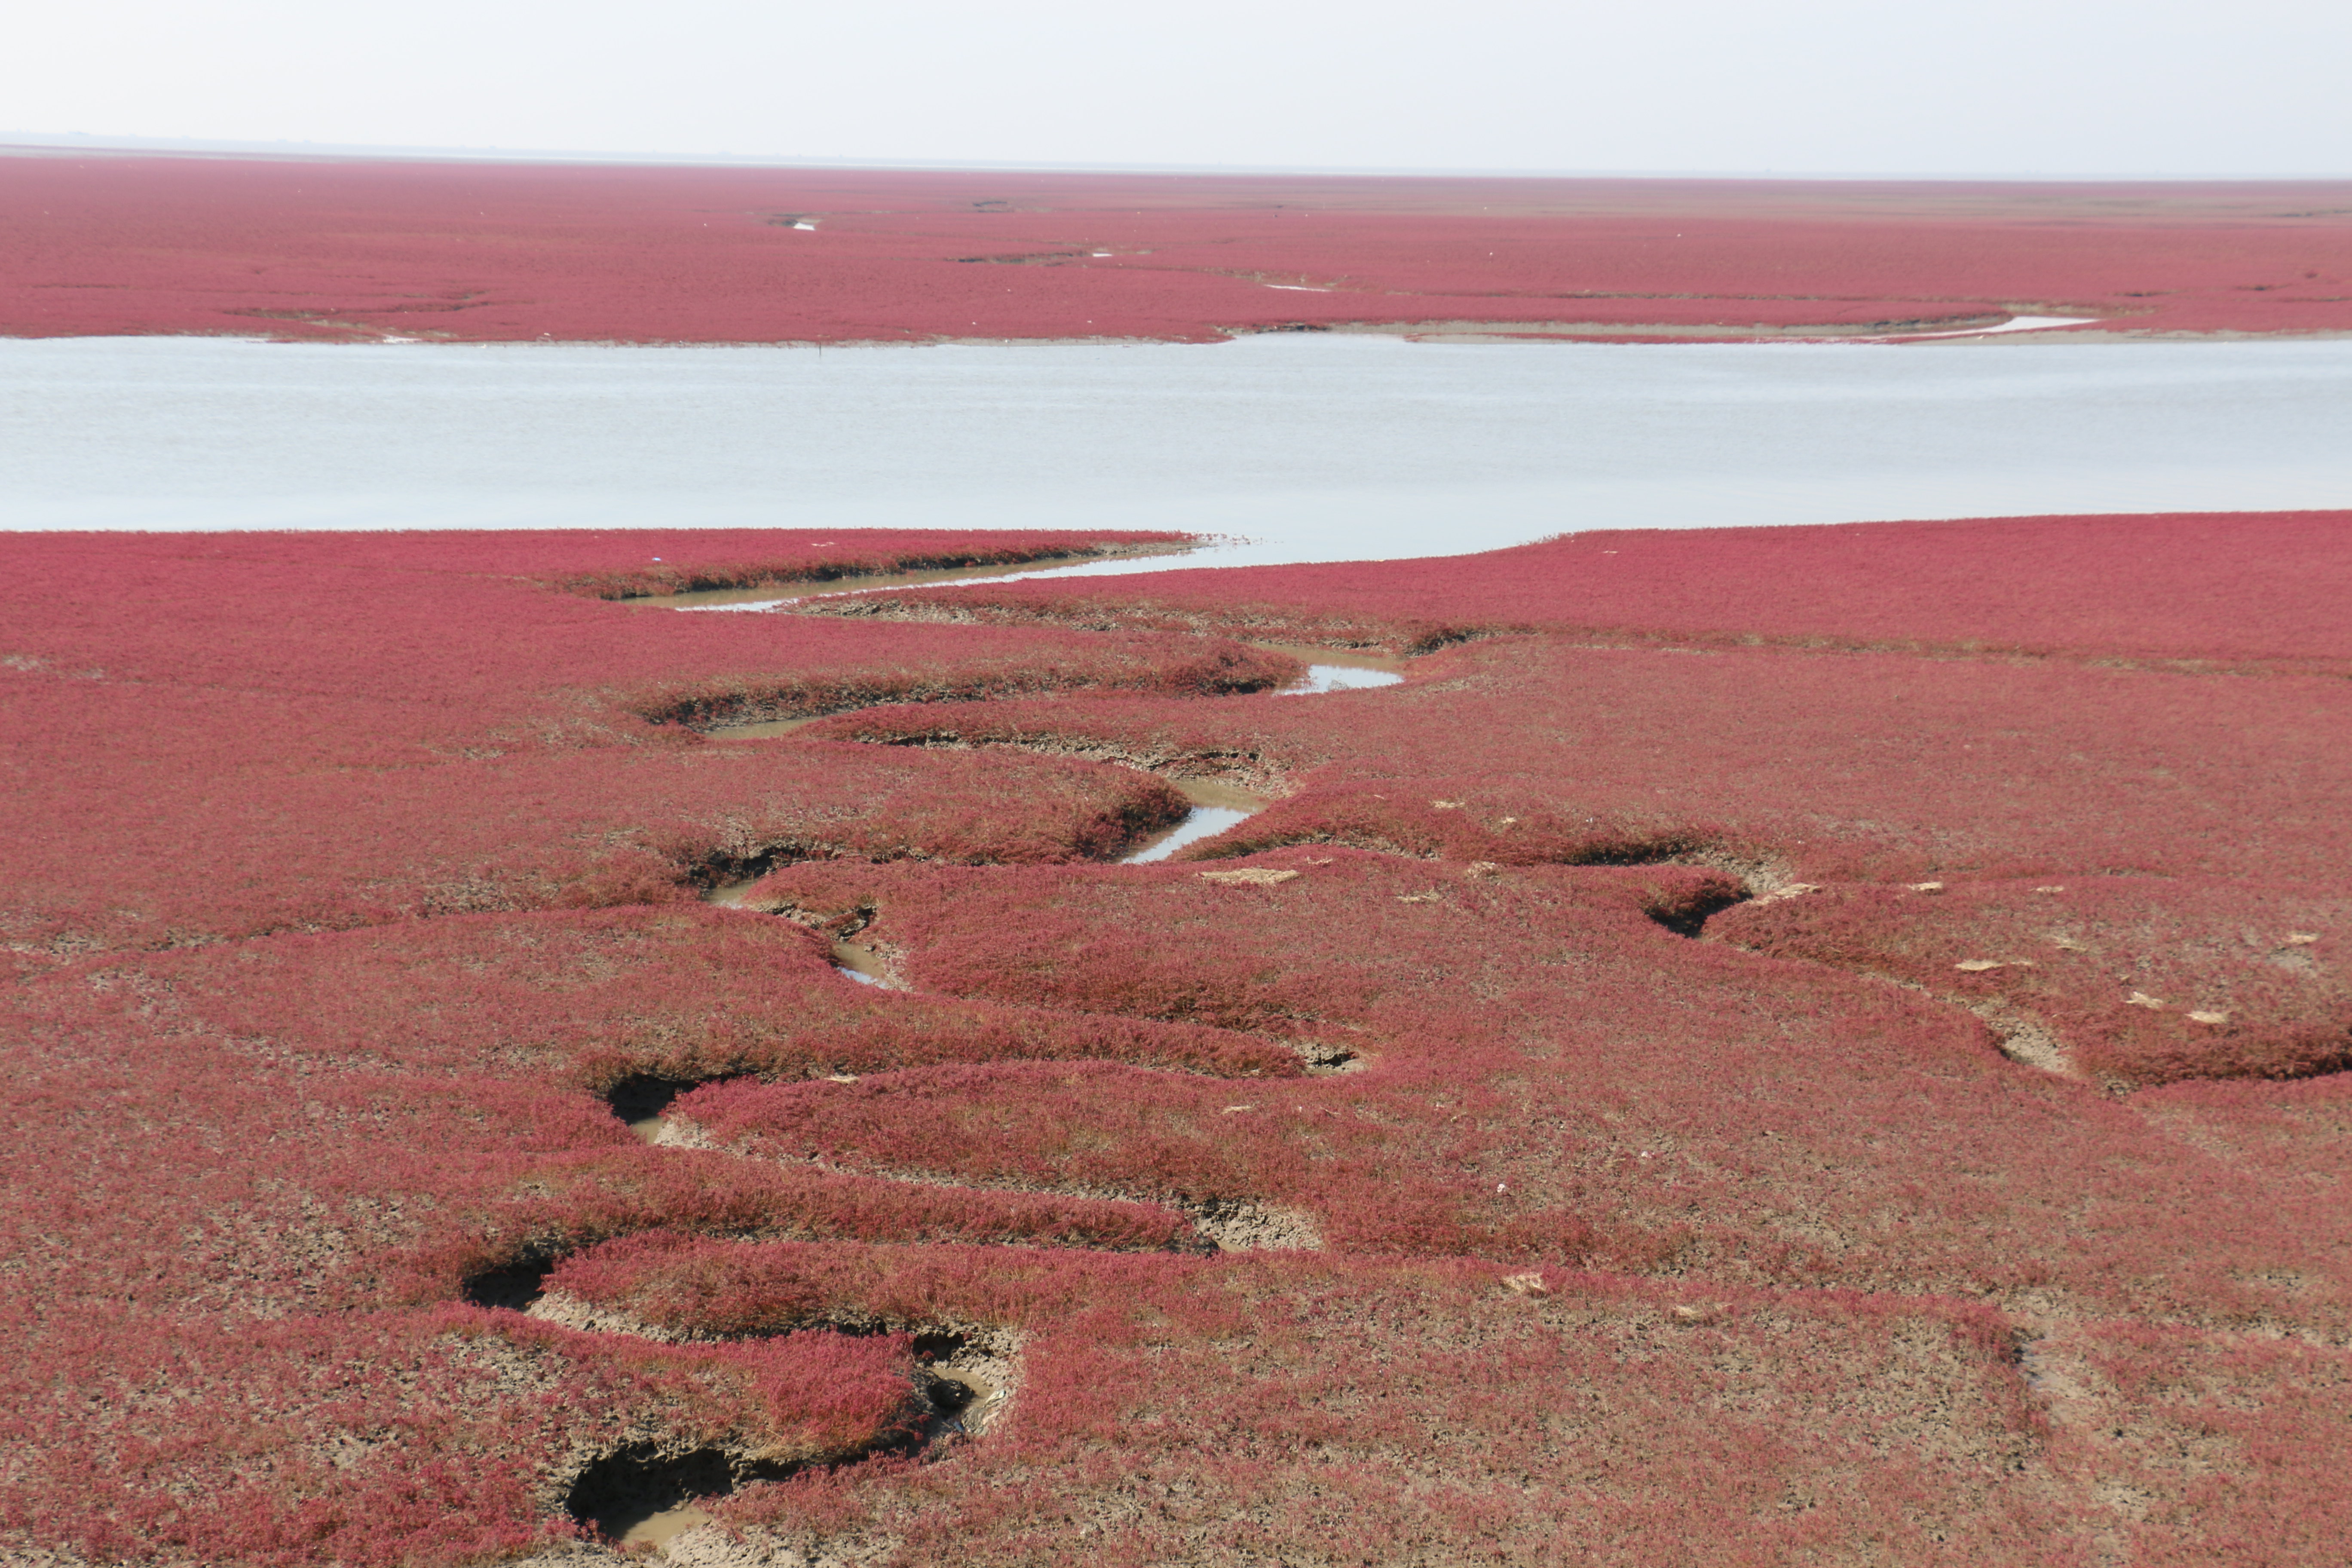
<point>2058,87</point>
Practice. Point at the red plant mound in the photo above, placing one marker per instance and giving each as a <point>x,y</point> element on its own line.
<point>111,242</point>
<point>1850,1070</point>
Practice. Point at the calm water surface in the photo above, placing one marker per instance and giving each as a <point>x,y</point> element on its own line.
<point>1310,448</point>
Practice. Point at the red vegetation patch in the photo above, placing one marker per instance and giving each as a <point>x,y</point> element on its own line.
<point>2146,982</point>
<point>684,993</point>
<point>122,244</point>
<point>1185,1412</point>
<point>2194,1447</point>
<point>335,731</point>
<point>2200,590</point>
<point>393,1439</point>
<point>1811,765</point>
<point>1625,1238</point>
<point>1552,1074</point>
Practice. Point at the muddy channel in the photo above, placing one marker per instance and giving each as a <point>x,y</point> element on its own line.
<point>640,1498</point>
<point>1218,806</point>
<point>769,595</point>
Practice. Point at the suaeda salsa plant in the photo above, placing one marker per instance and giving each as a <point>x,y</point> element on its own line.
<point>1856,1069</point>
<point>362,250</point>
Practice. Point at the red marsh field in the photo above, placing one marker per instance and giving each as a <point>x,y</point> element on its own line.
<point>1809,1045</point>
<point>341,250</point>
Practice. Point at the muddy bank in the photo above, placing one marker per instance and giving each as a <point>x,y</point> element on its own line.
<point>1964,324</point>
<point>644,1495</point>
<point>766,596</point>
<point>764,730</point>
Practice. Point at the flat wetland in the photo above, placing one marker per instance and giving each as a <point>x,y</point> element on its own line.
<point>1276,945</point>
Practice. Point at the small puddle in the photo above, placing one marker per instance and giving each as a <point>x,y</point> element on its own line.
<point>661,1529</point>
<point>1216,807</point>
<point>1330,669</point>
<point>1321,677</point>
<point>640,1100</point>
<point>776,593</point>
<point>730,895</point>
<point>1200,822</point>
<point>862,964</point>
<point>640,1495</point>
<point>966,1379</point>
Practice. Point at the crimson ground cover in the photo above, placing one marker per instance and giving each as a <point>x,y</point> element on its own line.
<point>2214,979</point>
<point>1849,1069</point>
<point>333,732</point>
<point>1846,766</point>
<point>111,243</point>
<point>2198,589</point>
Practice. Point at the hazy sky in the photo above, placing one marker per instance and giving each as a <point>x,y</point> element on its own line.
<point>1829,85</point>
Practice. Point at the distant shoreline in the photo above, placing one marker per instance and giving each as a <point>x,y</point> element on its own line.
<point>115,243</point>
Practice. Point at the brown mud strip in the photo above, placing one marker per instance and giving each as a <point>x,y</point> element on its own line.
<point>779,593</point>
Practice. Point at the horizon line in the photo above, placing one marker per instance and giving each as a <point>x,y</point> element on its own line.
<point>20,143</point>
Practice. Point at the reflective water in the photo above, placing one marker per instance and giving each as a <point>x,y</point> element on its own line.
<point>770,597</point>
<point>1200,822</point>
<point>1315,447</point>
<point>1216,806</point>
<point>1339,678</point>
<point>862,964</point>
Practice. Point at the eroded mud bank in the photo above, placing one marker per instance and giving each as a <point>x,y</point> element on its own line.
<point>768,596</point>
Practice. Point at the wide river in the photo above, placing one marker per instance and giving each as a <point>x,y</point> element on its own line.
<point>1310,446</point>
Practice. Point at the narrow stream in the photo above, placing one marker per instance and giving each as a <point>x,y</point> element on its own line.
<point>775,593</point>
<point>1200,822</point>
<point>1328,670</point>
<point>642,1497</point>
<point>955,1401</point>
<point>1215,807</point>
